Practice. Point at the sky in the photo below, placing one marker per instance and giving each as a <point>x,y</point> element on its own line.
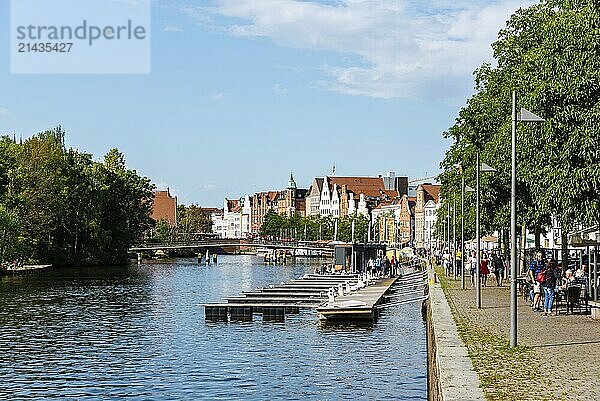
<point>243,92</point>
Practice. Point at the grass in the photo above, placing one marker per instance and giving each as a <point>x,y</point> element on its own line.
<point>505,373</point>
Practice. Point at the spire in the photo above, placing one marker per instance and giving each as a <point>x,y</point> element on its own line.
<point>291,182</point>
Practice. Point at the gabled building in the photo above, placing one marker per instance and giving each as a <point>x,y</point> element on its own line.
<point>427,203</point>
<point>261,203</point>
<point>343,196</point>
<point>407,220</point>
<point>386,218</point>
<point>235,220</point>
<point>164,207</point>
<point>290,202</point>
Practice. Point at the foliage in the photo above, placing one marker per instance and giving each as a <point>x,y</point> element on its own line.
<point>550,54</point>
<point>59,206</point>
<point>313,228</point>
<point>163,232</point>
<point>192,220</point>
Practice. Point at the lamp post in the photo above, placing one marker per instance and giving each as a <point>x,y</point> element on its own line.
<point>448,228</point>
<point>465,188</point>
<point>524,115</point>
<point>454,237</point>
<point>481,168</point>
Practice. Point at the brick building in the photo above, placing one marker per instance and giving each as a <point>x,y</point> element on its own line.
<point>164,207</point>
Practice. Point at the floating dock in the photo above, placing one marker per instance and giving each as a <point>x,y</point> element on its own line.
<point>365,303</point>
<point>355,301</point>
<point>359,305</point>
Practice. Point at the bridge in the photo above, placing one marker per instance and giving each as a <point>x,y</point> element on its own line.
<point>229,243</point>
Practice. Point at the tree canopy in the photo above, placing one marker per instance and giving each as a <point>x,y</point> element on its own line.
<point>313,228</point>
<point>59,206</point>
<point>549,54</point>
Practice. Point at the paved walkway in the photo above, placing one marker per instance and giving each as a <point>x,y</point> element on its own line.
<point>565,346</point>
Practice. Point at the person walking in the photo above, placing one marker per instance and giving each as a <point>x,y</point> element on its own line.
<point>498,266</point>
<point>535,267</point>
<point>549,278</point>
<point>393,264</point>
<point>458,262</point>
<point>484,269</point>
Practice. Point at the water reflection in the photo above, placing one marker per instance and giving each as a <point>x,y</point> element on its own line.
<point>139,331</point>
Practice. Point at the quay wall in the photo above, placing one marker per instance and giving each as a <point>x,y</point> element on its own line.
<point>450,373</point>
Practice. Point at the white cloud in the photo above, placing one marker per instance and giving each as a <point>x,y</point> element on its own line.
<point>4,112</point>
<point>218,96</point>
<point>209,187</point>
<point>171,28</point>
<point>404,48</point>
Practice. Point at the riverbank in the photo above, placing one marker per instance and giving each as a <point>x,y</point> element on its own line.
<point>451,375</point>
<point>557,357</point>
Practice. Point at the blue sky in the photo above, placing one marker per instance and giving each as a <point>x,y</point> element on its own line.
<point>244,91</point>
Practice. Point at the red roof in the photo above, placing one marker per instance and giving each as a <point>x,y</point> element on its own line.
<point>433,191</point>
<point>369,186</point>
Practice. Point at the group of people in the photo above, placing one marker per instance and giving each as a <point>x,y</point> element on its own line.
<point>382,266</point>
<point>547,277</point>
<point>488,263</point>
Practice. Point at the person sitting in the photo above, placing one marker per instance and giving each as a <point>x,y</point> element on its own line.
<point>581,272</point>
<point>567,280</point>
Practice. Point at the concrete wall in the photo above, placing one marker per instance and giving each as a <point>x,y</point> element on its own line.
<point>450,374</point>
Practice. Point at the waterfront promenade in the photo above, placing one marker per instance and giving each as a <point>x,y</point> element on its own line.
<point>558,357</point>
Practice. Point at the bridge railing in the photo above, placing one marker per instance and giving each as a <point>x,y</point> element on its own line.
<point>234,242</point>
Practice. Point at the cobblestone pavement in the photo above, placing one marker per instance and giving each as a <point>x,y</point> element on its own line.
<point>567,346</point>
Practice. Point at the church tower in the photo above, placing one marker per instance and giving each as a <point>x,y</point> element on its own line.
<point>290,196</point>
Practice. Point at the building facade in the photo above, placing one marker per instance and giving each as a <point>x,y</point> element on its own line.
<point>344,196</point>
<point>427,203</point>
<point>164,207</point>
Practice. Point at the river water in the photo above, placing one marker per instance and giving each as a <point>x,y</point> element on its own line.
<point>139,332</point>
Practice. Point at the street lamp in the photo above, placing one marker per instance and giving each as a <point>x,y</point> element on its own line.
<point>481,168</point>
<point>528,116</point>
<point>454,237</point>
<point>465,188</point>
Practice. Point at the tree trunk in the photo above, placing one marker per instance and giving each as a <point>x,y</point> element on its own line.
<point>523,245</point>
<point>564,257</point>
<point>538,234</point>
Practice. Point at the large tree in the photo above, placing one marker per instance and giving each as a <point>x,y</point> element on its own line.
<point>549,54</point>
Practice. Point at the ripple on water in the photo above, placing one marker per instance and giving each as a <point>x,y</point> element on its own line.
<point>139,332</point>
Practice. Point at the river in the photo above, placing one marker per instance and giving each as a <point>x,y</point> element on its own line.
<point>139,332</point>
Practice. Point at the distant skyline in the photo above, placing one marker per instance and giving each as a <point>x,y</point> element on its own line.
<point>243,92</point>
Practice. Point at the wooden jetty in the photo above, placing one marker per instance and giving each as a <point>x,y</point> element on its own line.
<point>355,300</point>
<point>364,304</point>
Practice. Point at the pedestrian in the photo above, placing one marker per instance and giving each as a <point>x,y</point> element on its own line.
<point>393,264</point>
<point>446,261</point>
<point>386,266</point>
<point>535,267</point>
<point>458,262</point>
<point>484,269</point>
<point>473,265</point>
<point>498,266</point>
<point>549,279</point>
<point>371,267</point>
<point>378,267</point>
